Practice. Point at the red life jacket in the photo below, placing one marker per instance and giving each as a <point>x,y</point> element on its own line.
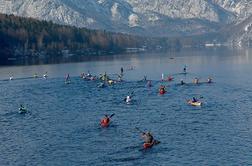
<point>105,122</point>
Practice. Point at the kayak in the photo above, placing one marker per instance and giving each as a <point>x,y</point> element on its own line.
<point>162,92</point>
<point>197,103</point>
<point>110,82</point>
<point>22,111</point>
<point>149,145</point>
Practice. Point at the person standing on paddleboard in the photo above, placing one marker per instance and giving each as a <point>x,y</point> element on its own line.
<point>184,69</point>
<point>121,70</point>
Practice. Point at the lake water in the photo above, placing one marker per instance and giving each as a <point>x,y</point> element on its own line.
<point>62,125</point>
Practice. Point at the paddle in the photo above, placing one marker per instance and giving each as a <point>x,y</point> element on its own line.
<point>139,130</point>
<point>111,115</point>
<point>132,93</point>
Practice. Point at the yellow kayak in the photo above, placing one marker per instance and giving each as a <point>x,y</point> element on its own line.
<point>197,103</point>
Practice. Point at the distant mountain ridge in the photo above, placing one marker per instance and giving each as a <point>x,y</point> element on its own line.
<point>144,17</point>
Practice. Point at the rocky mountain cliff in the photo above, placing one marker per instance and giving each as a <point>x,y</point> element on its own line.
<point>142,17</point>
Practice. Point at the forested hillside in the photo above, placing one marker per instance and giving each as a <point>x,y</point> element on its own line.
<point>27,38</point>
<point>22,37</point>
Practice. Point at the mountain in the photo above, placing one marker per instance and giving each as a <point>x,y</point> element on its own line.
<point>239,34</point>
<point>142,17</point>
<point>27,40</point>
<point>24,39</point>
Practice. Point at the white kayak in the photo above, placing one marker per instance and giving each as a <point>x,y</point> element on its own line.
<point>197,103</point>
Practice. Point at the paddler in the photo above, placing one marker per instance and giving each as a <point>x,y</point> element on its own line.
<point>104,77</point>
<point>196,80</point>
<point>105,120</point>
<point>184,69</point>
<point>67,78</point>
<point>45,75</point>
<point>11,77</point>
<point>121,70</point>
<point>120,77</point>
<point>35,75</point>
<point>22,109</point>
<point>169,78</point>
<point>88,74</point>
<point>147,137</point>
<point>194,100</point>
<point>182,82</point>
<point>149,84</point>
<point>128,99</point>
<point>145,78</point>
<point>209,80</point>
<point>162,89</point>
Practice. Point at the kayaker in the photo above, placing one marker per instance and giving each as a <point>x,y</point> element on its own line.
<point>147,137</point>
<point>182,82</point>
<point>110,82</point>
<point>104,77</point>
<point>162,89</point>
<point>128,99</point>
<point>149,84</point>
<point>88,74</point>
<point>209,80</point>
<point>45,75</point>
<point>22,109</point>
<point>196,80</point>
<point>105,120</point>
<point>82,75</point>
<point>145,78</point>
<point>184,69</point>
<point>120,77</point>
<point>11,77</point>
<point>35,75</point>
<point>194,100</point>
<point>169,78</point>
<point>121,70</point>
<point>67,78</point>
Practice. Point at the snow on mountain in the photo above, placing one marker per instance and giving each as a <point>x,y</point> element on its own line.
<point>142,17</point>
<point>241,34</point>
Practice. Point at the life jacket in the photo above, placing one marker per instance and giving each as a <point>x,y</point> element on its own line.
<point>105,122</point>
<point>161,90</point>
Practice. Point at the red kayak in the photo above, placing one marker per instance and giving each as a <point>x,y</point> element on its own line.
<point>105,122</point>
<point>170,79</point>
<point>162,91</point>
<point>149,145</point>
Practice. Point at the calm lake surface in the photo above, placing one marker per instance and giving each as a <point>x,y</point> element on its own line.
<point>62,125</point>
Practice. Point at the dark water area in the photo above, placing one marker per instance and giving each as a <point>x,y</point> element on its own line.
<point>62,123</point>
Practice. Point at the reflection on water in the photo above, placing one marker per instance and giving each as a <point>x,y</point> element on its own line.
<point>152,64</point>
